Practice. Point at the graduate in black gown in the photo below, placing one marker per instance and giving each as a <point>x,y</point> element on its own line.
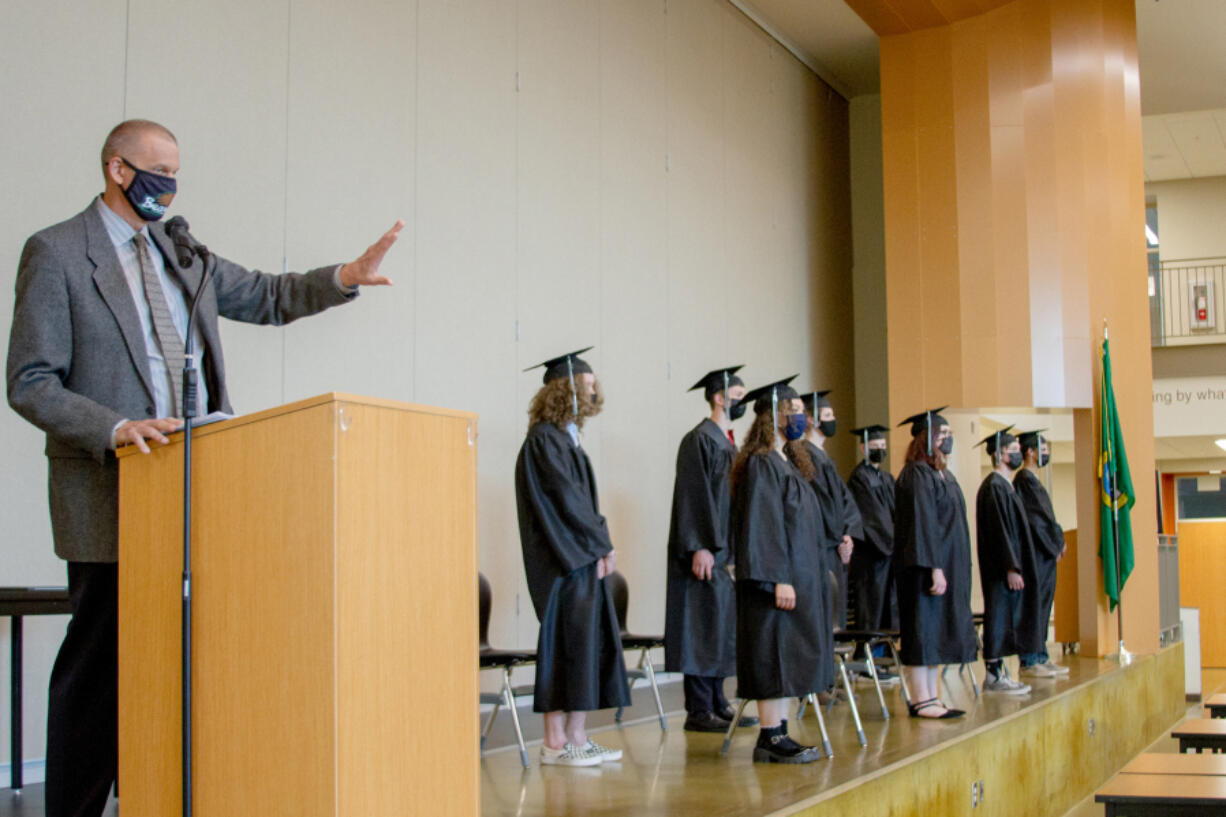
<point>1006,565</point>
<point>782,627</point>
<point>1049,545</point>
<point>932,565</point>
<point>872,488</point>
<point>700,606</point>
<point>841,524</point>
<point>567,554</point>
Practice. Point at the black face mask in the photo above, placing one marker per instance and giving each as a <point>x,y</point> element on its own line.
<point>736,409</point>
<point>1044,459</point>
<point>149,193</point>
<point>1014,460</point>
<point>947,446</point>
<point>826,427</point>
<point>876,455</point>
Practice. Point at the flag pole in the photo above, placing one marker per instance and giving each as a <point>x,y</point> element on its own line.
<point>1122,655</point>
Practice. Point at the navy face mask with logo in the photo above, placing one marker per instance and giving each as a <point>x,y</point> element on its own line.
<point>795,429</point>
<point>149,193</point>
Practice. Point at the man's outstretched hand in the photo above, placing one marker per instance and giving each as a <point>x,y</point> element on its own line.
<point>365,270</point>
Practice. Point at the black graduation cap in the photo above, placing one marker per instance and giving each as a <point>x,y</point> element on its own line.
<point>924,421</point>
<point>567,365</point>
<point>768,396</point>
<point>1031,439</point>
<point>997,440</point>
<point>719,380</point>
<point>873,432</point>
<point>815,401</point>
<point>921,422</point>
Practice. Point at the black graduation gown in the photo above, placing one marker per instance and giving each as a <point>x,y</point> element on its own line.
<point>580,666</point>
<point>700,616</point>
<point>1048,539</point>
<point>1009,616</point>
<point>876,603</point>
<point>930,531</point>
<point>840,517</point>
<point>775,523</point>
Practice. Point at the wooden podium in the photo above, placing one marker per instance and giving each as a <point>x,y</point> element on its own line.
<point>335,614</point>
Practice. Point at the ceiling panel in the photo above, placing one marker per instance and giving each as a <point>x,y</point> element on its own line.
<point>1199,142</point>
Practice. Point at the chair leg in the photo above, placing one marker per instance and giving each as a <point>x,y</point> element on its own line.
<point>489,723</point>
<point>645,665</point>
<point>902,676</point>
<point>821,724</point>
<point>803,704</point>
<point>872,673</point>
<point>851,699</point>
<point>519,733</point>
<point>740,710</point>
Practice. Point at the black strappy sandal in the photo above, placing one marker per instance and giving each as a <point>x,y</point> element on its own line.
<point>915,709</point>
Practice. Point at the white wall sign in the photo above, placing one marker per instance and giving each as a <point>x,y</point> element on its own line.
<point>1189,406</point>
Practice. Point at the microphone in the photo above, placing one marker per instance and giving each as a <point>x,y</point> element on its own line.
<point>185,245</point>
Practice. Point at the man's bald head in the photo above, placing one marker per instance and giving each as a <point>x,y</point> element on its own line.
<point>125,138</point>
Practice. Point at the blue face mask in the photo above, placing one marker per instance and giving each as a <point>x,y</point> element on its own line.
<point>795,429</point>
<point>149,193</point>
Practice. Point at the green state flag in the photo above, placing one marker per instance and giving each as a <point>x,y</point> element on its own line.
<point>1116,490</point>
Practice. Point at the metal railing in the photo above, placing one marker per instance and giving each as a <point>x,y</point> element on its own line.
<point>1169,628</point>
<point>1187,302</point>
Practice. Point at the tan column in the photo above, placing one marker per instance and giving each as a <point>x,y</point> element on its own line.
<point>1014,213</point>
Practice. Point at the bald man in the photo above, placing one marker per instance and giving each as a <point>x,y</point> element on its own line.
<point>95,361</point>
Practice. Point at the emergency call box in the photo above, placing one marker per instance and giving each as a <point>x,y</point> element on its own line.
<point>1202,306</point>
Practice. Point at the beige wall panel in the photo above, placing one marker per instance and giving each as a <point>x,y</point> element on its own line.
<point>1191,213</point>
<point>221,87</point>
<point>463,300</point>
<point>705,328</point>
<point>867,215</point>
<point>350,159</point>
<point>633,309</point>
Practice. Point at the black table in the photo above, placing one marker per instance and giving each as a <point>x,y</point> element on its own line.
<point>17,602</point>
<point>1205,734</point>
<point>1217,706</point>
<point>1163,795</point>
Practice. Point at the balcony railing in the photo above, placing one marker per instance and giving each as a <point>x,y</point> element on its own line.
<point>1187,302</point>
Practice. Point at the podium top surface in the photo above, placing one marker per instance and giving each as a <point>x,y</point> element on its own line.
<point>302,405</point>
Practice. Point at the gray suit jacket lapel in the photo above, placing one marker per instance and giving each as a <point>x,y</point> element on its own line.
<point>113,287</point>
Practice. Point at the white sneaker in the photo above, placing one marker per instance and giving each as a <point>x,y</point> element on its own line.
<point>603,752</point>
<point>1058,669</point>
<point>568,755</point>
<point>1005,686</point>
<point>1038,671</point>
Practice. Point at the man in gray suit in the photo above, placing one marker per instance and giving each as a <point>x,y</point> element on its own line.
<point>95,360</point>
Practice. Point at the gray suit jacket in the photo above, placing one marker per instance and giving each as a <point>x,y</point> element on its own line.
<point>77,363</point>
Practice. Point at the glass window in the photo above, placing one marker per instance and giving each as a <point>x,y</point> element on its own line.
<point>1201,497</point>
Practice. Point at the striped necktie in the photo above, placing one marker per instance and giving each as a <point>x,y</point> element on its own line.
<point>168,337</point>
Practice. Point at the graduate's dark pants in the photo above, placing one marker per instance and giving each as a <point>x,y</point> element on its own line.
<point>837,606</point>
<point>704,694</point>
<point>1045,568</point>
<point>876,604</point>
<point>83,701</point>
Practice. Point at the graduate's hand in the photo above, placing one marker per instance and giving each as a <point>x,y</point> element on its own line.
<point>785,597</point>
<point>845,548</point>
<point>1014,580</point>
<point>938,582</point>
<point>364,270</point>
<point>1063,551</point>
<point>600,571</point>
<point>703,564</point>
<point>608,563</point>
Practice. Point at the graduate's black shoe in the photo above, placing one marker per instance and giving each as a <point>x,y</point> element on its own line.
<point>729,713</point>
<point>705,722</point>
<point>915,709</point>
<point>782,749</point>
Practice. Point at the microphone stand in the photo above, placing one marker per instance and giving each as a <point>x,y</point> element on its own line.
<point>189,414</point>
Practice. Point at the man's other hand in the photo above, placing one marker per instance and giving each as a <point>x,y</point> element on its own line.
<point>365,270</point>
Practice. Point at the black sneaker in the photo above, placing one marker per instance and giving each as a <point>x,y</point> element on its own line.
<point>705,722</point>
<point>746,720</point>
<point>782,749</point>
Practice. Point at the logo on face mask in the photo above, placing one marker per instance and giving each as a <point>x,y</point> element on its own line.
<point>149,193</point>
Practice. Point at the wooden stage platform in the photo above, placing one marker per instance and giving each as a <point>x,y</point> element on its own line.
<point>1039,754</point>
